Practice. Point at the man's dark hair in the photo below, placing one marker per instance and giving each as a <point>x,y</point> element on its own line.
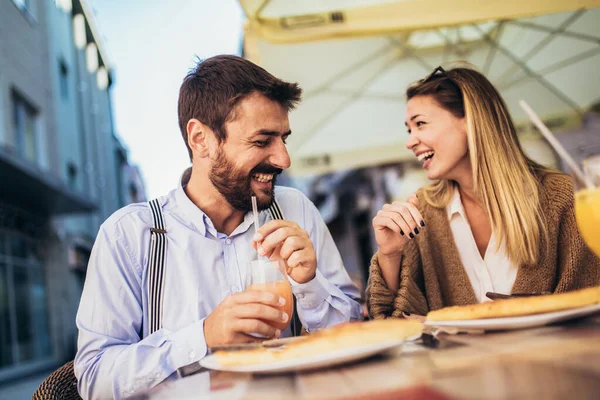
<point>211,90</point>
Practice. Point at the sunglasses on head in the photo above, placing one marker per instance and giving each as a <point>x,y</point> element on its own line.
<point>442,72</point>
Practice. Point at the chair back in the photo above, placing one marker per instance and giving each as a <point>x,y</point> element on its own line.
<point>60,385</point>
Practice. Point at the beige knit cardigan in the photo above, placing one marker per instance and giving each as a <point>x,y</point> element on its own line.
<point>432,275</point>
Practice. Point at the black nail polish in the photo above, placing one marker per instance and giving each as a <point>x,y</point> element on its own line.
<point>416,231</point>
<point>401,232</point>
<point>411,235</point>
<point>407,313</point>
<point>422,223</point>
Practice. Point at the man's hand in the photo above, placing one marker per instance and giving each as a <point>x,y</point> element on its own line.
<point>280,239</point>
<point>241,314</point>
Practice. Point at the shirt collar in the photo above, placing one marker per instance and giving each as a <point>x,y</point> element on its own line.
<point>455,206</point>
<point>195,215</point>
<point>202,222</point>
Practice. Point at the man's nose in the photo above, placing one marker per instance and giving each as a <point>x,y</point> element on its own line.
<point>280,157</point>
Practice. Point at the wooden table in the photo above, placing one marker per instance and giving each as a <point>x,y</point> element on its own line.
<point>555,362</point>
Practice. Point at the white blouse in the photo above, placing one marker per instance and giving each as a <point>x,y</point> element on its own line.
<point>492,273</point>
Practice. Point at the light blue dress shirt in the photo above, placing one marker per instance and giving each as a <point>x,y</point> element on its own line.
<point>117,358</point>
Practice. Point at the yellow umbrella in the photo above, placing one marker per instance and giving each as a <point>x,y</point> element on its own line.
<point>355,58</point>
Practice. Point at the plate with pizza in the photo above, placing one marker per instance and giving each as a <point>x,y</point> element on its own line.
<point>517,312</point>
<point>337,345</point>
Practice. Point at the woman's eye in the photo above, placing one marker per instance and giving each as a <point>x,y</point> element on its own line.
<point>419,123</point>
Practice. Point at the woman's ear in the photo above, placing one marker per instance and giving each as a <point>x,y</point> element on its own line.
<point>198,138</point>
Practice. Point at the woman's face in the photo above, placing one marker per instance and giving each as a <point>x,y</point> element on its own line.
<point>437,138</point>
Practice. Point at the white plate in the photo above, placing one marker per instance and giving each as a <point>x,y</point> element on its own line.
<point>526,321</point>
<point>322,360</point>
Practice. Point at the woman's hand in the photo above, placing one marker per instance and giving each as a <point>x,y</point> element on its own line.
<point>395,224</point>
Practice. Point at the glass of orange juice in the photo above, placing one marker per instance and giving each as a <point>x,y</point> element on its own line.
<point>271,276</point>
<point>587,206</point>
<point>587,211</point>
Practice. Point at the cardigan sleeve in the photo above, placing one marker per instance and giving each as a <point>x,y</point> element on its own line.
<point>578,267</point>
<point>409,297</point>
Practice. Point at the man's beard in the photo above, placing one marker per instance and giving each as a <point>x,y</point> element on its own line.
<point>235,185</point>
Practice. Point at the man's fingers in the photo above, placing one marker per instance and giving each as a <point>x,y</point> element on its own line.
<point>260,311</point>
<point>298,258</point>
<point>241,337</point>
<point>294,244</point>
<point>249,326</point>
<point>258,296</point>
<point>272,226</point>
<point>279,236</point>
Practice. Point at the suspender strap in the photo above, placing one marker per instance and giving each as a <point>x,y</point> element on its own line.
<point>276,213</point>
<point>275,210</point>
<point>156,267</point>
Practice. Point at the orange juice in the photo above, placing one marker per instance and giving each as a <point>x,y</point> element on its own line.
<point>587,211</point>
<point>283,289</point>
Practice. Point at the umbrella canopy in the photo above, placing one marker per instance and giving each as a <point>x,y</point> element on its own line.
<point>355,58</point>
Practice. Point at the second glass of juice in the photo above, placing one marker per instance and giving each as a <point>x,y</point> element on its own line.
<point>271,276</point>
<point>587,206</point>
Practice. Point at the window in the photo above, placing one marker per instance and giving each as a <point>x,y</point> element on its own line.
<point>24,123</point>
<point>63,71</point>
<point>24,333</point>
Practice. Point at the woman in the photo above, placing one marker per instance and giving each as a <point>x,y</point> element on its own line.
<point>492,221</point>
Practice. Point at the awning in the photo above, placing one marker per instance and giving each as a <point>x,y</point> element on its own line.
<point>285,21</point>
<point>23,185</point>
<point>355,61</point>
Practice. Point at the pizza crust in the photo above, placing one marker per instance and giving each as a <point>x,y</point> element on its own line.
<point>343,336</point>
<point>519,306</point>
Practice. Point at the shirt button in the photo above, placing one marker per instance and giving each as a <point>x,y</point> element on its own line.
<point>234,289</point>
<point>156,376</point>
<point>192,354</point>
<point>228,241</point>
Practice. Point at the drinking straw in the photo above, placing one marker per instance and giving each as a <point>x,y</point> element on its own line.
<point>255,215</point>
<point>562,152</point>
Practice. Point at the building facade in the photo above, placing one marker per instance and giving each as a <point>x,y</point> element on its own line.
<point>63,170</point>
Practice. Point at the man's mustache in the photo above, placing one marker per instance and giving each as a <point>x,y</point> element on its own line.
<point>266,169</point>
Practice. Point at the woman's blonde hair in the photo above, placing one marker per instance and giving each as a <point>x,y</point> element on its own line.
<point>505,180</point>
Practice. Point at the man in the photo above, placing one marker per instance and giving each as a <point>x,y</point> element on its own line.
<point>233,116</point>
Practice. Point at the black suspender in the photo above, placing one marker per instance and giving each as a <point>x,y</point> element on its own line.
<point>156,268</point>
<point>275,210</point>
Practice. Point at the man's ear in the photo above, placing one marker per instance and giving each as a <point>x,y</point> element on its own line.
<point>199,137</point>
